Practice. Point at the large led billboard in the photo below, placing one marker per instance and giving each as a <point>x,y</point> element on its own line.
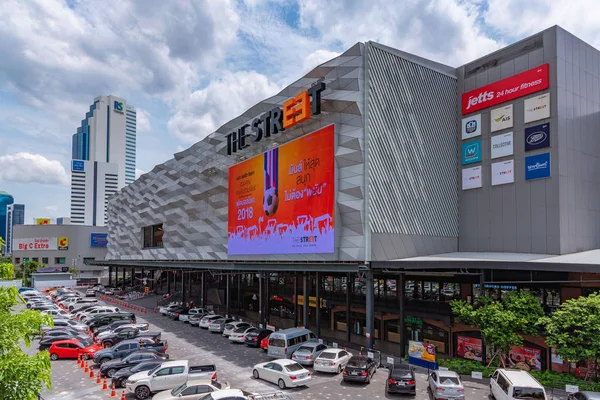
<point>282,201</point>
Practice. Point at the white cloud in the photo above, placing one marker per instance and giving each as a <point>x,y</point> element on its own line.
<point>220,101</point>
<point>50,212</point>
<point>143,123</point>
<point>32,168</point>
<point>318,58</point>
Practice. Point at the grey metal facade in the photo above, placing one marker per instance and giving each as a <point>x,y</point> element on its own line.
<point>411,147</point>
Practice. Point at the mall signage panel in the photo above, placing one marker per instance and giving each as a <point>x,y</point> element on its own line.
<point>39,243</point>
<point>98,239</point>
<point>282,201</point>
<point>63,243</point>
<point>537,108</point>
<point>471,178</point>
<point>77,165</point>
<point>471,152</point>
<point>537,167</point>
<point>523,84</point>
<point>471,127</point>
<point>501,118</point>
<point>502,145</point>
<point>42,221</point>
<point>537,137</point>
<point>503,172</point>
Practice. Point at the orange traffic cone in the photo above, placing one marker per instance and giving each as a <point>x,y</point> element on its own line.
<point>91,372</point>
<point>123,396</point>
<point>82,363</point>
<point>98,380</point>
<point>87,369</point>
<point>79,360</point>
<point>105,385</point>
<point>113,393</point>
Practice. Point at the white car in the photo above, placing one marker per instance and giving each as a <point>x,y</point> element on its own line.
<point>69,300</point>
<point>90,292</point>
<point>165,309</point>
<point>206,320</point>
<point>192,311</point>
<point>95,311</point>
<point>232,326</point>
<point>332,360</point>
<point>109,291</point>
<point>73,307</point>
<point>58,314</point>
<point>284,373</point>
<point>140,327</point>
<point>239,335</point>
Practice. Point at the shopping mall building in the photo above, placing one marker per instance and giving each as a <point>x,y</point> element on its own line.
<point>383,185</point>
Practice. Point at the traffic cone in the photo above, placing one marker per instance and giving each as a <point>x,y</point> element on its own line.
<point>91,372</point>
<point>123,396</point>
<point>82,366</point>
<point>87,369</point>
<point>79,360</point>
<point>113,393</point>
<point>98,380</point>
<point>105,385</point>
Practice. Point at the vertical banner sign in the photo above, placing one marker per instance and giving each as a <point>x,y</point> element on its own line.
<point>282,202</point>
<point>502,145</point>
<point>471,127</point>
<point>523,84</point>
<point>471,152</point>
<point>471,178</point>
<point>502,118</point>
<point>503,172</point>
<point>537,167</point>
<point>537,137</point>
<point>537,108</point>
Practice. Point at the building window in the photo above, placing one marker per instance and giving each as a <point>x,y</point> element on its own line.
<point>17,260</point>
<point>87,260</point>
<point>152,236</point>
<point>45,260</point>
<point>60,260</point>
<point>36,259</point>
<point>26,259</point>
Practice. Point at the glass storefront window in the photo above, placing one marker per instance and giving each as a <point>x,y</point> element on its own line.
<point>413,290</point>
<point>390,286</point>
<point>450,291</point>
<point>431,291</point>
<point>553,297</point>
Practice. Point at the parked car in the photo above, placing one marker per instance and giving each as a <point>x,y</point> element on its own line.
<point>239,335</point>
<point>506,384</point>
<point>264,344</point>
<point>307,353</point>
<point>107,319</point>
<point>359,369</point>
<point>195,389</point>
<point>52,336</point>
<point>127,347</point>
<point>90,292</point>
<point>168,375</point>
<point>67,323</point>
<point>283,343</point>
<point>232,326</point>
<point>110,367</point>
<point>57,313</point>
<point>141,327</point>
<point>175,312</point>
<point>73,348</point>
<point>284,373</point>
<point>332,360</point>
<point>200,312</point>
<point>112,326</point>
<point>254,338</point>
<point>584,396</point>
<point>218,325</point>
<point>109,291</point>
<point>95,311</point>
<point>74,307</point>
<point>207,319</point>
<point>401,379</point>
<point>443,385</point>
<point>121,375</point>
<point>165,309</point>
<point>110,340</point>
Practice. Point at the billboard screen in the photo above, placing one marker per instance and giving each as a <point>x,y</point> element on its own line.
<point>42,221</point>
<point>98,239</point>
<point>282,201</point>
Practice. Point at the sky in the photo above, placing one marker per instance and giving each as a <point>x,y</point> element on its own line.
<point>190,66</point>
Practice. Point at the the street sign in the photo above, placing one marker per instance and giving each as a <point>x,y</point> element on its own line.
<point>476,375</point>
<point>370,355</point>
<point>390,360</point>
<point>571,388</point>
<point>146,289</point>
<point>334,345</point>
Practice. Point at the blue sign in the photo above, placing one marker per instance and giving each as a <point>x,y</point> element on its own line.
<point>537,167</point>
<point>471,152</point>
<point>99,239</point>
<point>471,126</point>
<point>77,165</point>
<point>118,106</point>
<point>537,137</point>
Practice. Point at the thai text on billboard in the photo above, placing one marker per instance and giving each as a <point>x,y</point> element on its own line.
<point>282,201</point>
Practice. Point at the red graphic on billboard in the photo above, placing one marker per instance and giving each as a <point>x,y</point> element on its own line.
<point>516,86</point>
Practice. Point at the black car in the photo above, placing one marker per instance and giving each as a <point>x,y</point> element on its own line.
<point>127,333</point>
<point>254,338</point>
<point>107,319</point>
<point>48,339</point>
<point>174,313</point>
<point>401,379</point>
<point>112,326</point>
<point>359,369</point>
<point>110,367</point>
<point>121,375</point>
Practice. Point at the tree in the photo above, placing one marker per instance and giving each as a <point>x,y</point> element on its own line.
<point>502,323</point>
<point>574,329</point>
<point>7,270</point>
<point>23,377</point>
<point>28,268</point>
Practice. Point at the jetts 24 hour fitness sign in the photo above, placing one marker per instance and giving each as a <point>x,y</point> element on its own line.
<point>516,86</point>
<point>278,119</point>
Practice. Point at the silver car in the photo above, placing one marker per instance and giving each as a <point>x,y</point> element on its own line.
<point>446,385</point>
<point>218,325</point>
<point>307,353</point>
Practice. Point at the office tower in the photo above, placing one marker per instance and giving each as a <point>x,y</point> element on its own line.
<point>92,183</point>
<point>15,215</point>
<point>5,200</point>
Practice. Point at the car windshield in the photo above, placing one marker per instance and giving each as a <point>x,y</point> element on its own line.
<point>241,330</point>
<point>145,366</point>
<point>177,390</point>
<point>293,367</point>
<point>357,362</point>
<point>273,342</point>
<point>449,380</point>
<point>328,355</point>
<point>305,349</point>
<point>84,343</point>
<point>528,393</point>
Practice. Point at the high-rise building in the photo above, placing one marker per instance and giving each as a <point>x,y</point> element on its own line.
<point>103,152</point>
<point>15,215</point>
<point>63,221</point>
<point>5,200</point>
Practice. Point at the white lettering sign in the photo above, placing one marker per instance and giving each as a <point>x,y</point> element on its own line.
<point>476,375</point>
<point>537,108</point>
<point>502,145</point>
<point>501,118</point>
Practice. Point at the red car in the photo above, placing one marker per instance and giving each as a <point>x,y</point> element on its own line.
<point>264,344</point>
<point>72,349</point>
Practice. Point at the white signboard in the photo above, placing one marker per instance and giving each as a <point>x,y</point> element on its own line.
<point>471,178</point>
<point>476,375</point>
<point>571,388</point>
<point>502,145</point>
<point>537,108</point>
<point>370,355</point>
<point>502,118</point>
<point>334,345</point>
<point>40,243</point>
<point>471,126</point>
<point>503,172</point>
<point>390,360</point>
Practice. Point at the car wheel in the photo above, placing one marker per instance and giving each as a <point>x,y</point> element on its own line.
<point>281,384</point>
<point>102,361</point>
<point>107,344</point>
<point>255,374</point>
<point>111,372</point>
<point>142,392</point>
<point>339,370</point>
<point>54,356</point>
<point>119,383</point>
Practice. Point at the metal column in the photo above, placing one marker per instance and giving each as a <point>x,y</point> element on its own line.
<point>168,282</point>
<point>348,308</point>
<point>481,294</point>
<point>369,308</point>
<point>260,301</point>
<point>318,305</point>
<point>305,294</point>
<point>267,310</point>
<point>296,300</point>
<point>190,286</point>
<point>239,293</point>
<point>182,287</point>
<point>123,283</point>
<point>109,276</point>
<point>227,296</point>
<point>202,290</point>
<point>401,306</point>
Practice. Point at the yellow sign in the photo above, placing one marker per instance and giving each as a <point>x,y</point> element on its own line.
<point>421,351</point>
<point>146,289</point>
<point>42,221</point>
<point>312,301</point>
<point>63,243</point>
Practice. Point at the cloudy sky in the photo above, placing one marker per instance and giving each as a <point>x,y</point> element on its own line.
<point>190,66</point>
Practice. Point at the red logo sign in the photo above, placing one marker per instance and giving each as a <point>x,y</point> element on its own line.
<point>516,86</point>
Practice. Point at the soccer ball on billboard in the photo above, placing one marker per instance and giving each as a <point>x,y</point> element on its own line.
<point>270,201</point>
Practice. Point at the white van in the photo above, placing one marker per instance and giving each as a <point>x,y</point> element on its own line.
<point>509,384</point>
<point>284,342</point>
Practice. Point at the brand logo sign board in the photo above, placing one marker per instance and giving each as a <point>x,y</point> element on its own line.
<point>471,126</point>
<point>471,178</point>
<point>537,137</point>
<point>537,166</point>
<point>42,221</point>
<point>118,107</point>
<point>516,86</point>
<point>77,165</point>
<point>39,243</point>
<point>98,239</point>
<point>503,172</point>
<point>63,243</point>
<point>471,152</point>
<point>502,118</point>
<point>502,145</point>
<point>537,108</point>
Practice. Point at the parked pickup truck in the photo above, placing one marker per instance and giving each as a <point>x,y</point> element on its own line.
<point>167,376</point>
<point>129,346</point>
<point>112,339</point>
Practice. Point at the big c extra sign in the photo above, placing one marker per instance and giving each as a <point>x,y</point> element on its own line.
<point>516,86</point>
<point>278,119</point>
